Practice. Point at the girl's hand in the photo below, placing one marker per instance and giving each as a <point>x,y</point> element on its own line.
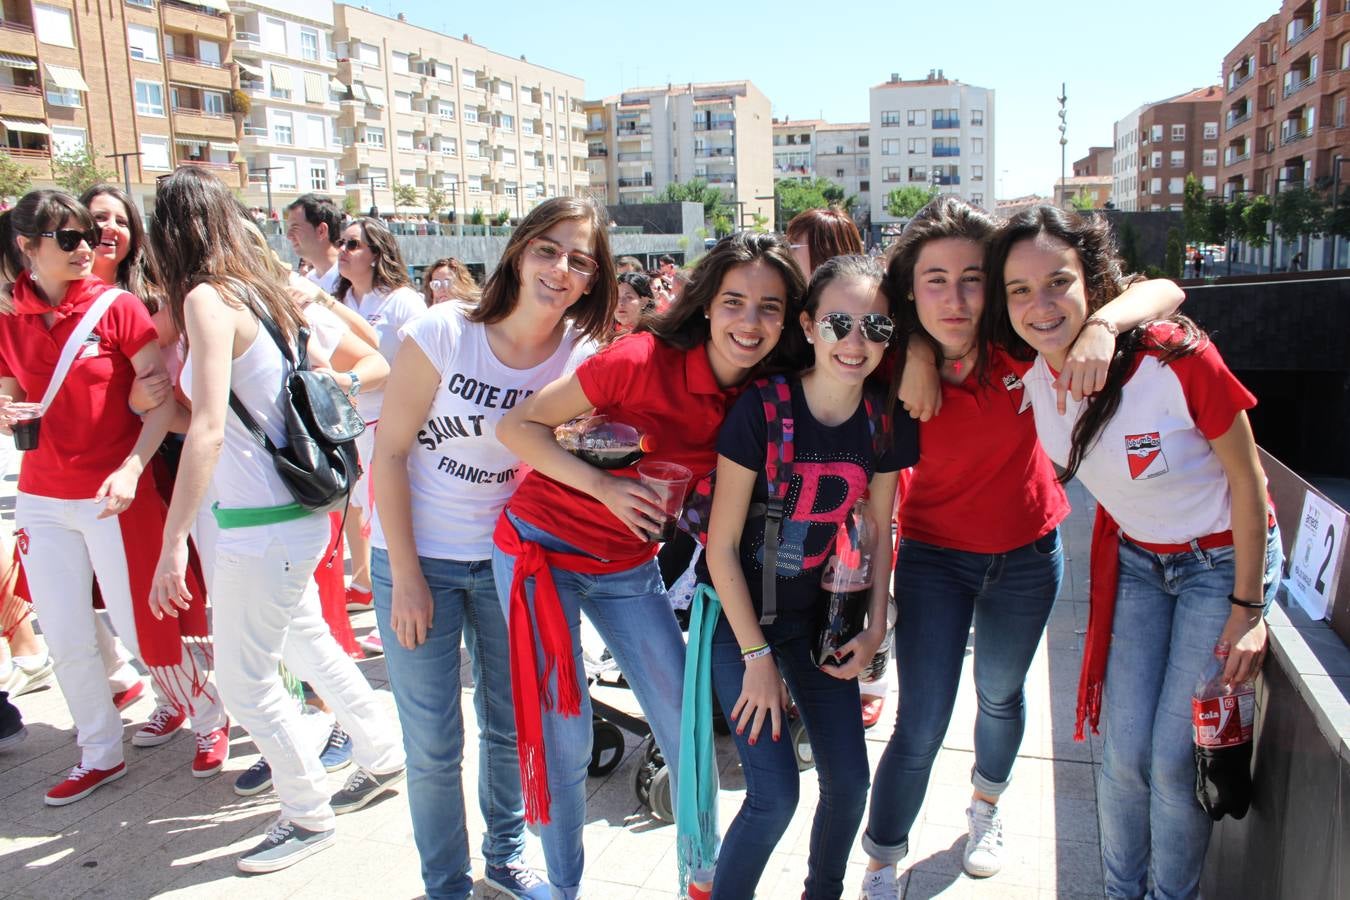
<point>149,391</point>
<point>6,299</point>
<point>763,696</point>
<point>411,609</point>
<point>1085,367</point>
<point>119,489</point>
<point>169,592</point>
<point>632,503</point>
<point>6,416</point>
<point>863,646</point>
<point>1245,633</point>
<point>920,385</point>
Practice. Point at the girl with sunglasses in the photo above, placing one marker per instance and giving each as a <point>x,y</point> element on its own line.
<point>635,302</point>
<point>374,281</point>
<point>457,373</point>
<point>835,464</point>
<point>86,499</point>
<point>574,537</point>
<point>979,534</point>
<point>449,279</point>
<point>1185,552</point>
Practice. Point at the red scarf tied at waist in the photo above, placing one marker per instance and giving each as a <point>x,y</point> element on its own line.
<point>529,683</point>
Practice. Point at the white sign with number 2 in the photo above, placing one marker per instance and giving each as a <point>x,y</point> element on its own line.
<point>1315,560</point>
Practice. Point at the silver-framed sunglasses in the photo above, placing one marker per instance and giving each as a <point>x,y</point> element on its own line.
<point>834,327</point>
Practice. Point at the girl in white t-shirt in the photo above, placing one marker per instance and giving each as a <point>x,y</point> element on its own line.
<point>1185,553</point>
<point>441,480</point>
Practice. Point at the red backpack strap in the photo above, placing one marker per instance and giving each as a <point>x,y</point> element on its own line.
<point>776,395</point>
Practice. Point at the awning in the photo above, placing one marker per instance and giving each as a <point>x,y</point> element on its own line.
<point>225,146</point>
<point>314,92</point>
<point>281,78</point>
<point>252,70</point>
<point>32,126</point>
<point>13,61</point>
<point>376,95</point>
<point>67,78</point>
<point>191,141</point>
<point>336,86</point>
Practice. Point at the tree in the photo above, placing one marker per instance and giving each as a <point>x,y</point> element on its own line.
<point>350,204</point>
<point>502,217</point>
<point>76,170</point>
<point>1298,211</point>
<point>404,195</point>
<point>1083,201</point>
<point>715,207</point>
<point>796,196</point>
<point>1172,259</point>
<point>1218,226</point>
<point>1256,221</point>
<point>476,217</point>
<point>15,178</point>
<point>905,202</point>
<point>437,200</point>
<point>1129,247</point>
<point>1192,210</point>
<point>1338,220</point>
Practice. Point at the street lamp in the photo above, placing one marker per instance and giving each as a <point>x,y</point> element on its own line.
<point>1270,253</point>
<point>267,178</point>
<point>126,165</point>
<point>1063,139</point>
<point>777,225</point>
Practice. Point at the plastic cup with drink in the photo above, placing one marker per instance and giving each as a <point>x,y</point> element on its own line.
<point>25,419</point>
<point>670,481</point>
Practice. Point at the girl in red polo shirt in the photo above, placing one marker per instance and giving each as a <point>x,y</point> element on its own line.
<point>86,489</point>
<point>585,537</point>
<point>1184,552</point>
<point>979,538</point>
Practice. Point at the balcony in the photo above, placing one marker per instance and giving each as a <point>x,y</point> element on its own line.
<point>196,71</point>
<point>634,157</point>
<point>1304,33</point>
<point>1233,120</point>
<point>947,179</point>
<point>197,20</point>
<point>1288,136</point>
<point>1236,80</point>
<point>724,153</point>
<point>626,183</point>
<point>246,41</point>
<point>946,151</point>
<point>628,130</point>
<point>1231,158</point>
<point>596,152</point>
<point>38,160</point>
<point>1293,87</point>
<point>226,172</point>
<point>212,125</point>
<point>715,124</point>
<point>720,179</point>
<point>19,100</point>
<point>15,37</point>
<point>946,122</point>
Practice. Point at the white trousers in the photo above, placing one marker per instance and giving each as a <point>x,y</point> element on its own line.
<point>64,544</point>
<point>266,611</point>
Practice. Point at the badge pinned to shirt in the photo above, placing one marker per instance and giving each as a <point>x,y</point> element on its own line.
<point>1145,455</point>
<point>90,348</point>
<point>1017,392</point>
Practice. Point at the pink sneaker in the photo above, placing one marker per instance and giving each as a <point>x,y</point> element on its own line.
<point>163,723</point>
<point>123,699</point>
<point>359,600</point>
<point>82,782</point>
<point>372,644</point>
<point>213,748</point>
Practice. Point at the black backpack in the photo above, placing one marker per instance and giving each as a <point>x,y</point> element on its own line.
<point>319,464</point>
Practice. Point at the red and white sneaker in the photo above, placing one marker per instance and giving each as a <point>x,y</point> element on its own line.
<point>123,699</point>
<point>372,644</point>
<point>213,748</point>
<point>164,722</point>
<point>82,782</point>
<point>359,600</point>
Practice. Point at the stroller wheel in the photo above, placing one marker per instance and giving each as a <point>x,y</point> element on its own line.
<point>606,748</point>
<point>651,783</point>
<point>659,800</point>
<point>801,745</point>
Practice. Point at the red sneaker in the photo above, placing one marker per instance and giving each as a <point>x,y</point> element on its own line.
<point>123,699</point>
<point>82,782</point>
<point>698,893</point>
<point>871,710</point>
<point>372,644</point>
<point>213,748</point>
<point>359,600</point>
<point>160,728</point>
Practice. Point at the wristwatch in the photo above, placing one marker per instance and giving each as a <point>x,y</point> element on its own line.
<point>356,385</point>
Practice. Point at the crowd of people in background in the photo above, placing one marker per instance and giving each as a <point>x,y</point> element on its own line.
<point>936,399</point>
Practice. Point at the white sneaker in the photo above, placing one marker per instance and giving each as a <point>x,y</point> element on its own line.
<point>984,847</point>
<point>880,885</point>
<point>27,674</point>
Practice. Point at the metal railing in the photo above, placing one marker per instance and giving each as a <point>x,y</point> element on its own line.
<point>716,125</point>
<point>26,153</point>
<point>944,122</point>
<point>1234,121</point>
<point>243,37</point>
<point>198,111</point>
<point>1305,32</point>
<point>20,89</point>
<point>1234,82</point>
<point>1293,137</point>
<point>1230,159</point>
<point>715,152</point>
<point>635,182</point>
<point>1295,87</point>
<point>16,26</point>
<point>946,151</point>
<point>634,157</point>
<point>623,130</point>
<point>596,152</point>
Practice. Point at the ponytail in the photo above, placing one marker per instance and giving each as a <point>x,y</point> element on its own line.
<point>11,260</point>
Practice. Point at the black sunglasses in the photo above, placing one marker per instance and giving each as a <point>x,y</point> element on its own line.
<point>351,245</point>
<point>68,239</point>
<point>834,327</point>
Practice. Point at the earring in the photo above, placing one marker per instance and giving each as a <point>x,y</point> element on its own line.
<point>706,316</point>
<point>910,296</point>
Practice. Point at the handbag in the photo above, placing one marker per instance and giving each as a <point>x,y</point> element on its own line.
<point>318,464</point>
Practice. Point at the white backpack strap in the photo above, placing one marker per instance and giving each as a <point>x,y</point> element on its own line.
<point>91,317</point>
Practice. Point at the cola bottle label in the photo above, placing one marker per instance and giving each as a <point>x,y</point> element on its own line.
<point>1223,721</point>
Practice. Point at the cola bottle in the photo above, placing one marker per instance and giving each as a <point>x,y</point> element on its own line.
<point>602,443</point>
<point>874,670</point>
<point>846,585</point>
<point>1221,716</point>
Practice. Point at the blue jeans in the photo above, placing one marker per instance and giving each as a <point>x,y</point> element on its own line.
<point>830,711</point>
<point>426,687</point>
<point>630,611</point>
<point>938,592</point>
<point>1170,611</point>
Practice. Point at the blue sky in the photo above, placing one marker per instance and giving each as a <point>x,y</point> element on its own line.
<point>1114,56</point>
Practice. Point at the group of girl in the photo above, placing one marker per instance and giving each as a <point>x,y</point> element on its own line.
<point>991,326</point>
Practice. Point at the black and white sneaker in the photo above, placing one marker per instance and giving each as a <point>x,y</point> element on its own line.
<point>285,845</point>
<point>362,787</point>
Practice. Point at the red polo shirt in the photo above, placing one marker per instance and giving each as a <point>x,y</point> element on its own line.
<point>668,394</point>
<point>982,483</point>
<point>88,430</point>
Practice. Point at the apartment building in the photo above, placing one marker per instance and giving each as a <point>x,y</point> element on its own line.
<point>493,132</point>
<point>794,145</point>
<point>1178,137</point>
<point>933,131</point>
<point>286,61</point>
<point>647,138</point>
<point>1287,85</point>
<point>1125,163</point>
<point>844,156</point>
<point>148,78</point>
<point>1097,162</point>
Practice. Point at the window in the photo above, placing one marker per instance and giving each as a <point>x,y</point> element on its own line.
<point>1178,132</point>
<point>374,136</point>
<point>402,102</point>
<point>149,98</point>
<point>512,189</point>
<point>506,90</point>
<point>890,117</point>
<point>548,101</point>
<point>1178,159</point>
<point>918,145</point>
<point>155,152</point>
<point>403,140</point>
<point>548,131</point>
<point>891,147</point>
<point>508,157</point>
<point>476,184</point>
<point>918,173</point>
<point>309,49</point>
<point>445,109</point>
<point>864,186</point>
<point>407,176</point>
<point>314,132</point>
<point>917,117</point>
<point>1209,182</point>
<point>283,128</point>
<point>1155,185</point>
<point>977,146</point>
<point>977,173</point>
<point>274,35</point>
<point>976,117</point>
<point>284,176</point>
<point>449,146</point>
<point>67,140</point>
<point>946,146</point>
<point>368,55</point>
<point>213,103</point>
<point>281,82</point>
<point>838,173</point>
<point>1155,159</point>
<point>473,149</point>
<point>59,96</point>
<point>398,62</point>
<point>470,114</point>
<point>318,178</point>
<point>890,174</point>
<point>977,199</point>
<point>53,26</point>
<point>506,123</point>
<point>1175,185</point>
<point>863,142</point>
<point>143,42</point>
<point>1340,109</point>
<point>527,126</point>
<point>315,90</point>
<point>378,176</point>
<point>1211,131</point>
<point>443,72</point>
<point>1155,133</point>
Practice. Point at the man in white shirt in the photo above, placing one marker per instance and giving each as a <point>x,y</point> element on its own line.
<point>313,225</point>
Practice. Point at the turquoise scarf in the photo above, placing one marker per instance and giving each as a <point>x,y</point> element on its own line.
<point>696,801</point>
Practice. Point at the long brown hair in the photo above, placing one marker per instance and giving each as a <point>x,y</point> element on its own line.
<point>592,313</point>
<point>199,235</point>
<point>827,233</point>
<point>36,212</point>
<point>1092,240</point>
<point>465,288</point>
<point>389,272</point>
<point>129,270</point>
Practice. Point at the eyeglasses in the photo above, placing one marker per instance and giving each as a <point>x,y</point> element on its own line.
<point>438,283</point>
<point>68,239</point>
<point>834,327</point>
<point>351,245</point>
<point>548,252</point>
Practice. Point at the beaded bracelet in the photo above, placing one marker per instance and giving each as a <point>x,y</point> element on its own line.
<point>755,654</point>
